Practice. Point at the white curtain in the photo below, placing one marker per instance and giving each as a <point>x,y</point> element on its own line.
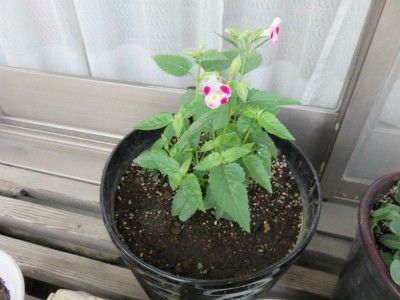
<point>114,39</point>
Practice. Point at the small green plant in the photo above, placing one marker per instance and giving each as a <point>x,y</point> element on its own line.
<point>389,216</point>
<point>219,138</point>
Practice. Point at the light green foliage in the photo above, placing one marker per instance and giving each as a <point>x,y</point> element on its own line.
<point>210,155</point>
<point>156,121</point>
<point>268,101</point>
<point>242,91</point>
<point>388,216</point>
<point>228,188</point>
<point>258,171</point>
<point>272,125</point>
<point>188,198</point>
<point>395,271</point>
<point>175,65</point>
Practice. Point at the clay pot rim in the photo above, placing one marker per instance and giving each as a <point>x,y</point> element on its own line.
<point>365,232</point>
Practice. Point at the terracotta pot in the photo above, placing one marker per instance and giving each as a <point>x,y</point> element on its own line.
<point>365,275</point>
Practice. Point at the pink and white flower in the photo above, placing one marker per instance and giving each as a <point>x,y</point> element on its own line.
<point>216,93</point>
<point>273,31</point>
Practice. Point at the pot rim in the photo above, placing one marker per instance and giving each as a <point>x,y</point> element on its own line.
<point>17,289</point>
<point>188,280</point>
<point>365,232</point>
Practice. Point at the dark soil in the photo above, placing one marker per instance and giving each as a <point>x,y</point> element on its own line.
<point>203,247</point>
<point>4,293</point>
<point>383,226</point>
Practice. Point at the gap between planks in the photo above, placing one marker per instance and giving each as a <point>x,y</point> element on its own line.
<point>337,219</point>
<point>87,235</point>
<point>105,280</point>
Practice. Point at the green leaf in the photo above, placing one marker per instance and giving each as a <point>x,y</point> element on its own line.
<point>176,177</point>
<point>395,271</point>
<point>396,255</point>
<point>169,131</point>
<point>271,124</point>
<point>234,153</point>
<point>225,139</point>
<point>209,199</point>
<point>219,118</point>
<point>387,258</point>
<point>391,241</point>
<point>157,159</point>
<point>395,226</point>
<point>175,65</point>
<point>235,66</point>
<point>262,138</point>
<point>210,161</point>
<point>243,124</point>
<point>227,185</point>
<point>227,39</point>
<point>156,121</point>
<point>266,158</point>
<point>188,198</point>
<point>254,60</point>
<point>177,123</point>
<point>242,91</point>
<point>268,101</point>
<point>384,210</point>
<point>257,171</point>
<point>397,195</point>
<point>196,128</point>
<point>250,112</point>
<point>213,60</point>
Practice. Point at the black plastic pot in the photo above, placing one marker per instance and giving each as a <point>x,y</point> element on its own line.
<point>365,275</point>
<point>159,284</point>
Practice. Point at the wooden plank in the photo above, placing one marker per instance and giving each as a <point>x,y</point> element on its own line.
<point>28,297</point>
<point>62,229</point>
<point>46,154</point>
<point>332,246</point>
<point>72,271</point>
<point>71,230</point>
<point>309,280</point>
<point>338,219</point>
<point>61,190</point>
<point>106,280</point>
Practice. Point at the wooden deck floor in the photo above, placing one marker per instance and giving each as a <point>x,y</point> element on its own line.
<point>61,240</point>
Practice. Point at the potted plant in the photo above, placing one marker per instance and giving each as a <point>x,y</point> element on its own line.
<point>373,268</point>
<point>11,280</point>
<point>214,201</point>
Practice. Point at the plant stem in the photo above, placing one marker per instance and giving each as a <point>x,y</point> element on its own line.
<point>197,82</point>
<point>246,136</point>
<point>244,60</point>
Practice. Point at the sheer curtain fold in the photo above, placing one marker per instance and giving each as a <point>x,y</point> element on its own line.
<point>114,39</point>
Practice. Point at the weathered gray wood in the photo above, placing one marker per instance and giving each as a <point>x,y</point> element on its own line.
<point>332,246</point>
<point>338,219</point>
<point>105,280</point>
<point>87,107</point>
<point>53,188</point>
<point>27,297</point>
<point>309,280</point>
<point>80,233</point>
<point>62,229</point>
<point>72,271</point>
<point>52,154</point>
